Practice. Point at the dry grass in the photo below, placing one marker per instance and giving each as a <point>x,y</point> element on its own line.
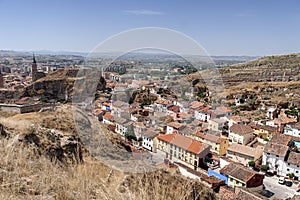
<point>24,174</point>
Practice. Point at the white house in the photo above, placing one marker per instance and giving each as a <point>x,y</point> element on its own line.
<point>271,113</point>
<point>273,156</point>
<point>292,165</point>
<point>271,123</point>
<point>149,141</point>
<point>216,124</point>
<point>122,125</point>
<point>108,119</point>
<point>202,114</point>
<point>241,134</point>
<point>292,129</point>
<point>275,153</point>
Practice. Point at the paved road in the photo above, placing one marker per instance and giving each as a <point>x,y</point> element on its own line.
<point>280,191</point>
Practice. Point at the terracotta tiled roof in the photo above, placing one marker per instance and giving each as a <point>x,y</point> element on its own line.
<point>196,104</point>
<point>108,116</point>
<point>281,139</point>
<point>184,115</point>
<point>224,109</point>
<point>209,137</point>
<point>245,150</point>
<point>294,158</point>
<point>196,147</point>
<point>263,127</point>
<point>166,137</point>
<point>276,149</point>
<point>183,142</point>
<point>173,108</point>
<point>237,171</point>
<point>241,129</point>
<point>205,109</point>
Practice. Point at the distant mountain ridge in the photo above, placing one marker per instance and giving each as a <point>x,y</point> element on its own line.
<point>283,61</point>
<point>109,54</point>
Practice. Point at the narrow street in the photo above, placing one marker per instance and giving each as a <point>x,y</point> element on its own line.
<point>280,191</point>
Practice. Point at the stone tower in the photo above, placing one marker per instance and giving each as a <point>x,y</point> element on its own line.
<point>34,69</point>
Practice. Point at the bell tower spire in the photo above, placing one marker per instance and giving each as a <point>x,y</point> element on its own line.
<point>34,69</point>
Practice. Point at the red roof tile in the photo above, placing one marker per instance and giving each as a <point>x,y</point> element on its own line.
<point>166,137</point>
<point>241,129</point>
<point>224,109</point>
<point>196,147</point>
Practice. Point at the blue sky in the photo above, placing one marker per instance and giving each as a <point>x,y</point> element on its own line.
<point>231,27</point>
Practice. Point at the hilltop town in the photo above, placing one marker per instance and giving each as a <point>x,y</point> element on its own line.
<point>243,143</point>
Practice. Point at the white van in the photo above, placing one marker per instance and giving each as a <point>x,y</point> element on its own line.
<point>281,180</point>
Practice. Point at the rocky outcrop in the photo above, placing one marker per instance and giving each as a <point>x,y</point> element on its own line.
<point>63,84</point>
<point>55,144</point>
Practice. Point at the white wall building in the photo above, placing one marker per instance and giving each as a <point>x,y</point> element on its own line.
<point>292,165</point>
<point>149,141</point>
<point>292,129</point>
<point>241,134</point>
<point>202,115</point>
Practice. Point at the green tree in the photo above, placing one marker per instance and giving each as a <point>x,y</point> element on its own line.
<point>129,135</point>
<point>264,167</point>
<point>251,163</point>
<point>292,175</point>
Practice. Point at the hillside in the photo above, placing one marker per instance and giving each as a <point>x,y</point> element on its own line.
<point>264,82</point>
<point>39,154</point>
<point>269,68</point>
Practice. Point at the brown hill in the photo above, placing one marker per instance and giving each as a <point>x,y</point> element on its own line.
<point>269,68</point>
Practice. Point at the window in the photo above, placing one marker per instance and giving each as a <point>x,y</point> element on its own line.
<point>288,170</point>
<point>268,153</point>
<point>243,184</point>
<point>237,182</point>
<point>277,156</point>
<point>297,172</point>
<point>231,179</point>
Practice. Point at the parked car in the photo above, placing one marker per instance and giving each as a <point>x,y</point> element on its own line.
<point>269,174</point>
<point>288,183</point>
<point>281,180</point>
<point>267,193</point>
